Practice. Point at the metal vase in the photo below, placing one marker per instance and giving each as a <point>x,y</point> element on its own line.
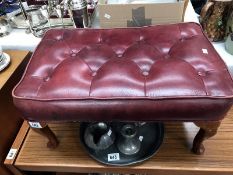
<point>128,141</point>
<point>99,136</point>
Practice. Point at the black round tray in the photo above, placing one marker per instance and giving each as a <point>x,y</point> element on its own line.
<point>152,133</point>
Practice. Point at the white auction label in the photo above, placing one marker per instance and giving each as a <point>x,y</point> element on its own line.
<point>107,16</point>
<point>113,157</point>
<point>11,154</point>
<point>35,124</point>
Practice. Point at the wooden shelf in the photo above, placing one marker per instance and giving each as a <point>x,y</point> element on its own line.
<point>174,156</point>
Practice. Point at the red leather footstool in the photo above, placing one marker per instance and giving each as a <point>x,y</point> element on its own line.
<point>156,73</point>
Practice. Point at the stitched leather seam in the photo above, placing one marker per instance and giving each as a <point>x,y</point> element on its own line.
<point>36,76</point>
<point>155,47</point>
<point>191,97</point>
<point>85,63</point>
<point>180,31</point>
<point>38,89</point>
<point>203,83</point>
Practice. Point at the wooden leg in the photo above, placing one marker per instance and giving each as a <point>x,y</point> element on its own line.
<point>207,130</point>
<point>43,129</point>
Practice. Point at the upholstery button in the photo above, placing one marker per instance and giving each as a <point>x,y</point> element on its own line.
<point>93,74</point>
<point>141,38</point>
<point>145,73</point>
<point>59,38</point>
<point>46,79</point>
<point>73,54</point>
<point>120,55</point>
<point>201,73</point>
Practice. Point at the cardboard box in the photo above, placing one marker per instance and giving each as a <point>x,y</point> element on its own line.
<point>135,15</point>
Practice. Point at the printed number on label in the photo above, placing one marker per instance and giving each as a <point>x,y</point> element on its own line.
<point>140,138</point>
<point>35,124</point>
<point>109,132</point>
<point>11,154</point>
<point>113,157</point>
<point>107,16</point>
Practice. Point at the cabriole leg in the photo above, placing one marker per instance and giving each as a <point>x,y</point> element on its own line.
<point>207,130</point>
<point>43,129</point>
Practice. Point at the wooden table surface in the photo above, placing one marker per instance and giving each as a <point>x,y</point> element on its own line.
<point>16,59</point>
<point>174,156</point>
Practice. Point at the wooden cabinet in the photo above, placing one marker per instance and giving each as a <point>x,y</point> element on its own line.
<point>10,120</point>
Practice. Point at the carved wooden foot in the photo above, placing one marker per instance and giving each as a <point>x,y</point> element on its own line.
<point>43,129</point>
<point>207,130</point>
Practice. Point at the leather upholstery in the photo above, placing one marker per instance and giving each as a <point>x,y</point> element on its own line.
<point>167,72</point>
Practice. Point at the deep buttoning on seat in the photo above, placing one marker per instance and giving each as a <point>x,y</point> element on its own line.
<point>164,72</point>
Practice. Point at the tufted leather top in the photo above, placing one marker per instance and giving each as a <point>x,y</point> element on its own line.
<point>167,72</point>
